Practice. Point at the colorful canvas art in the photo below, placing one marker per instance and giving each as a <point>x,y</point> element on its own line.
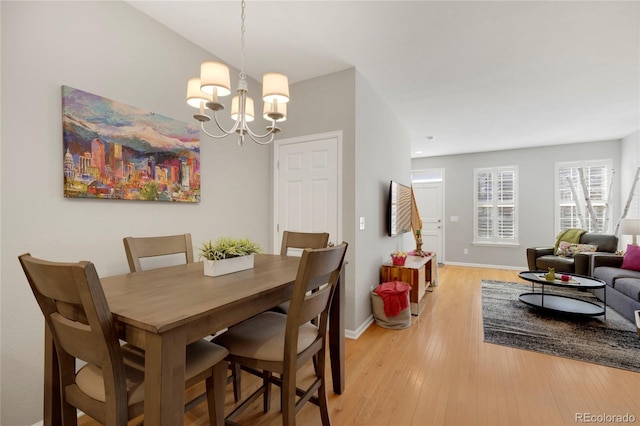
<point>116,151</point>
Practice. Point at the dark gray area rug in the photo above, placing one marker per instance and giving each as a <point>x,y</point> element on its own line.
<point>509,322</point>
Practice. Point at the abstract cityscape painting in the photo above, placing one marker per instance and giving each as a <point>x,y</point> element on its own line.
<point>116,151</point>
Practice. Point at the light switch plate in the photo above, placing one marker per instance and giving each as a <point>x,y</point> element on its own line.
<point>362,223</point>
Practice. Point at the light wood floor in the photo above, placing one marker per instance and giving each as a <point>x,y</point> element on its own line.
<point>440,372</point>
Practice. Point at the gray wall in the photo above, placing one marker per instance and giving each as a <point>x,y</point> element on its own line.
<point>536,204</point>
<point>376,149</point>
<point>113,50</point>
<point>383,153</point>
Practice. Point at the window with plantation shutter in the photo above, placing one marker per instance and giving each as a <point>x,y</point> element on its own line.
<point>495,205</point>
<point>572,212</point>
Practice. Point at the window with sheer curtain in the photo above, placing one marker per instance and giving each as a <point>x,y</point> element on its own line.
<point>495,205</point>
<point>568,212</point>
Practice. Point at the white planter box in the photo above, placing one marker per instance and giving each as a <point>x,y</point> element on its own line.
<point>213,268</point>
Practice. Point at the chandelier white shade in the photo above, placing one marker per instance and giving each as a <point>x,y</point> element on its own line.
<point>275,88</point>
<point>214,82</point>
<point>214,78</point>
<point>195,97</point>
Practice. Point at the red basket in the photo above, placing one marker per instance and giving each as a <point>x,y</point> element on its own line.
<point>398,261</point>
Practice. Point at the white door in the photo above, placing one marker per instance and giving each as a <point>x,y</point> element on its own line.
<point>429,201</point>
<point>308,186</point>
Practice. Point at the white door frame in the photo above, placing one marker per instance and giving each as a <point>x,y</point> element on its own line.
<point>276,154</point>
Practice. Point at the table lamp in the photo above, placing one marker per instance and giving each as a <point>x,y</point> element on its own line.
<point>630,226</point>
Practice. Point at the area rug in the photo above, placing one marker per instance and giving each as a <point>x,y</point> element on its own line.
<point>509,322</point>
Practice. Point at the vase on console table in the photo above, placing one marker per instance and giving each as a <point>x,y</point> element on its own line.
<point>419,251</point>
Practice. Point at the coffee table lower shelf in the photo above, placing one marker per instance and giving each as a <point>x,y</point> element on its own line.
<point>569,305</point>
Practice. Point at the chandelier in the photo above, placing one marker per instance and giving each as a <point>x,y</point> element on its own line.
<point>214,82</point>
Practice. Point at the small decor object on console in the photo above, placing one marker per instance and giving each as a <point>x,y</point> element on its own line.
<point>399,258</point>
<point>418,251</point>
<point>228,255</point>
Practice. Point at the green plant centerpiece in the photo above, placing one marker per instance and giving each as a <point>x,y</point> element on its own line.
<point>228,255</point>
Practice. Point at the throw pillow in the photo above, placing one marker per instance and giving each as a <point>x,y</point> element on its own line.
<point>571,235</point>
<point>631,259</point>
<point>567,249</point>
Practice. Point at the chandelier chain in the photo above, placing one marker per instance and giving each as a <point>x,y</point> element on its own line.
<point>242,41</point>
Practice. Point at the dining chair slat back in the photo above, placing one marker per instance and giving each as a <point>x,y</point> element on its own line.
<point>300,240</point>
<point>303,240</point>
<point>138,248</point>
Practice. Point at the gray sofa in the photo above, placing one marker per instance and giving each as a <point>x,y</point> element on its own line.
<point>623,285</point>
<point>543,258</point>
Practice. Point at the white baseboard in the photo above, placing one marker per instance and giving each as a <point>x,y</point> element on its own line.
<point>479,265</point>
<point>41,422</point>
<point>351,334</point>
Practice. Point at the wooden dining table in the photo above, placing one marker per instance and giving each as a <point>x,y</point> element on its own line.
<point>162,310</point>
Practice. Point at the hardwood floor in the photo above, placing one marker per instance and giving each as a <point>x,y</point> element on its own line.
<point>440,372</point>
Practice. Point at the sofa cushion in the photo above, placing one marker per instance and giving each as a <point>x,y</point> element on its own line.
<point>605,242</point>
<point>631,259</point>
<point>559,263</point>
<point>568,249</point>
<point>611,275</point>
<point>629,287</point>
<point>607,274</point>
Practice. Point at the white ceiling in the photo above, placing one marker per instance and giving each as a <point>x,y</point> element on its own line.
<point>474,75</point>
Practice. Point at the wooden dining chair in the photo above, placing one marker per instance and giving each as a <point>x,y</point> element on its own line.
<point>138,248</point>
<point>302,240</point>
<point>110,386</point>
<point>272,342</point>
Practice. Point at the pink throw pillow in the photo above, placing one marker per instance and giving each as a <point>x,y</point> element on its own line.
<point>631,259</point>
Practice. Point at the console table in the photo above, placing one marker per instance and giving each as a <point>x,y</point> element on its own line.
<point>418,271</point>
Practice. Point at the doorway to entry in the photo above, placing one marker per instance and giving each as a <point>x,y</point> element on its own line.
<point>428,188</point>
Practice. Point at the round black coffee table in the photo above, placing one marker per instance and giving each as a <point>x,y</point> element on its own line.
<point>562,303</point>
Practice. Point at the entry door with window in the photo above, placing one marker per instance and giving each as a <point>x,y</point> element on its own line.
<point>428,191</point>
<point>307,186</point>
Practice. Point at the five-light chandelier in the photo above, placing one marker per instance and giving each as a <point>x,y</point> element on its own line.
<point>214,82</point>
